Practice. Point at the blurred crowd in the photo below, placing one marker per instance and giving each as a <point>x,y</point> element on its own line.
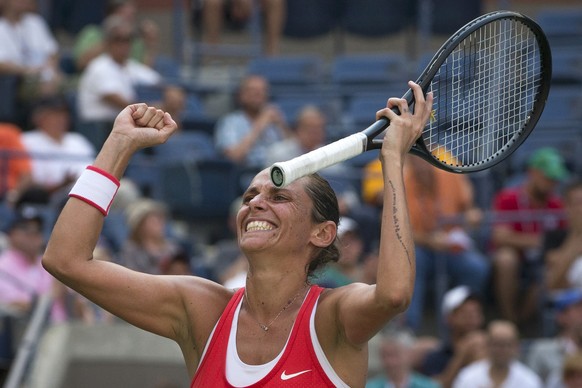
<point>498,292</point>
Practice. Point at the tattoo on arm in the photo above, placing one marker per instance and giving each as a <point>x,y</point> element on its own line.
<point>396,221</point>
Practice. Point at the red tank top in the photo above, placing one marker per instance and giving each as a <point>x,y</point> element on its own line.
<point>297,367</point>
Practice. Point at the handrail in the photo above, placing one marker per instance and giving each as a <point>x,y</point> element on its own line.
<point>29,342</point>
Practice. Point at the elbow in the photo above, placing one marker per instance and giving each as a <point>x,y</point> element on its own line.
<point>396,300</point>
<point>54,266</point>
<point>49,263</point>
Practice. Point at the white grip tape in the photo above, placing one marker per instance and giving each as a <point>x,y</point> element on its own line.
<point>96,188</point>
<point>318,159</point>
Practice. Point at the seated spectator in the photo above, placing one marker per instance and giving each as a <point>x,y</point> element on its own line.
<point>465,340</point>
<point>237,13</point>
<point>501,368</point>
<point>149,246</point>
<point>546,355</point>
<point>89,43</point>
<point>308,134</point>
<point>58,155</point>
<point>108,84</point>
<point>348,269</point>
<point>28,49</point>
<point>517,240</point>
<point>435,198</point>
<point>245,135</point>
<point>15,166</point>
<point>396,361</point>
<point>571,373</point>
<point>22,277</point>
<point>562,248</point>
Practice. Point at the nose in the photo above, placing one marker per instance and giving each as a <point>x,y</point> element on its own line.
<point>257,202</point>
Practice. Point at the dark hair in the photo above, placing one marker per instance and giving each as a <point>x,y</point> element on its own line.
<point>325,208</point>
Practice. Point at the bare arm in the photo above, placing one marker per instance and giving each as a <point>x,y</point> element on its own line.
<point>365,309</point>
<point>115,100</point>
<point>559,260</point>
<point>269,116</point>
<point>153,303</point>
<point>505,236</point>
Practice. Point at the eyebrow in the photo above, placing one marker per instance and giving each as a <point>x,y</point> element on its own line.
<point>254,190</point>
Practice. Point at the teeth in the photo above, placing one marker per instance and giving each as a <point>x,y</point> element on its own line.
<point>258,225</point>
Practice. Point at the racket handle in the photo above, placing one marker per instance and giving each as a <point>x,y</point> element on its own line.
<point>283,173</point>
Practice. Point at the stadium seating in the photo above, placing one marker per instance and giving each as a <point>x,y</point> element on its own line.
<point>310,18</point>
<point>199,190</point>
<point>8,92</point>
<point>359,73</point>
<point>377,18</point>
<point>562,26</point>
<point>566,66</point>
<point>291,73</point>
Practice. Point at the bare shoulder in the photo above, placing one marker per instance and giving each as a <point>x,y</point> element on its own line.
<point>331,297</point>
<point>203,303</point>
<point>330,301</point>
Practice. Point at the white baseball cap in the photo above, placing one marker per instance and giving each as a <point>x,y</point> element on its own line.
<point>455,297</point>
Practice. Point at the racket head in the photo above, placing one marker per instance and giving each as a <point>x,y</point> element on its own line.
<point>490,81</point>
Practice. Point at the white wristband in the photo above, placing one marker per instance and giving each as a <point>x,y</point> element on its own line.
<point>96,188</point>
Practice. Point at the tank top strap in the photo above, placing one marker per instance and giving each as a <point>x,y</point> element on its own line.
<point>217,340</point>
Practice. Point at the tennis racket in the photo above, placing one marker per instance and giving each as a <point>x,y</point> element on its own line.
<point>490,81</point>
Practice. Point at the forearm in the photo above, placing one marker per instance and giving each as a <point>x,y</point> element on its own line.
<point>116,101</point>
<point>396,264</point>
<point>506,237</point>
<point>79,225</point>
<point>240,151</point>
<point>558,262</point>
<point>7,68</point>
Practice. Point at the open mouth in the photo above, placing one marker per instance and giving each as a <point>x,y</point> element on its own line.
<point>254,226</point>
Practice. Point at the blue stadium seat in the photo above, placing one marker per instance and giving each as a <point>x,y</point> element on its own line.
<point>73,15</point>
<point>186,145</point>
<point>289,73</point>
<point>563,108</point>
<point>377,18</point>
<point>562,26</point>
<point>291,105</point>
<point>310,18</point>
<point>361,108</point>
<point>450,15</point>
<point>199,190</point>
<point>169,68</point>
<point>353,73</point>
<point>567,140</point>
<point>195,116</point>
<point>8,96</point>
<point>566,66</point>
<point>149,93</point>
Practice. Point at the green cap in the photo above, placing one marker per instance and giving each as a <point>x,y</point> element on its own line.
<point>550,163</point>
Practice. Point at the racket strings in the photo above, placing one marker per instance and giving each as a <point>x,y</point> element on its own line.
<point>484,93</point>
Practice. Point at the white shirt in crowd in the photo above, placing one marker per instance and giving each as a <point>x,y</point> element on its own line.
<point>477,375</point>
<point>105,76</point>
<point>52,161</point>
<point>27,43</point>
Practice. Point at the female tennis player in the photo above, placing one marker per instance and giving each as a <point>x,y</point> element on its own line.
<point>278,330</point>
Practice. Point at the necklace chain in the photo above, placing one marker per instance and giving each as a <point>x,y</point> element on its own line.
<point>289,303</point>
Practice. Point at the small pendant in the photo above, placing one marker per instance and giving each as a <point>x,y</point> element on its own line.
<point>265,328</point>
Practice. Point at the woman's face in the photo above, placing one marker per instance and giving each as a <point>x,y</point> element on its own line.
<point>272,217</point>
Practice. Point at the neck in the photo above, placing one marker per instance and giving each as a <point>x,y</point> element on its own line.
<point>57,136</point>
<point>398,378</point>
<point>268,294</point>
<point>498,373</point>
<point>13,17</point>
